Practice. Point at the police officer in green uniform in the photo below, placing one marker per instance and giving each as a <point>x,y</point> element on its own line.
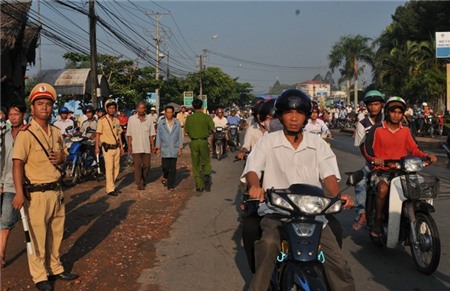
<point>198,127</point>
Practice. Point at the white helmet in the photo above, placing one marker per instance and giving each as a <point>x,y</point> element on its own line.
<point>397,100</point>
<point>424,104</point>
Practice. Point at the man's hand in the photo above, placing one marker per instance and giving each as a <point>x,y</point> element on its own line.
<point>241,155</point>
<point>256,192</point>
<point>122,150</point>
<point>433,158</point>
<point>378,162</point>
<point>18,201</point>
<point>157,151</point>
<point>348,201</point>
<point>56,158</point>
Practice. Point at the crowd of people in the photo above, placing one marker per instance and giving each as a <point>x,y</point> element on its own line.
<point>283,145</point>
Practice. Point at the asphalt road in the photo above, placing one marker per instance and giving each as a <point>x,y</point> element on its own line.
<point>204,250</point>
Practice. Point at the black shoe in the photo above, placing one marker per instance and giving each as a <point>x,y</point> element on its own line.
<point>44,286</point>
<point>207,179</point>
<point>112,193</point>
<point>199,189</point>
<point>65,276</point>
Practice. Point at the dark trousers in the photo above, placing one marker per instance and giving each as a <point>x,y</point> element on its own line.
<point>141,167</point>
<point>169,167</point>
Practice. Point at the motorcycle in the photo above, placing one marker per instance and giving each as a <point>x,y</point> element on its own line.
<point>81,162</point>
<point>429,125</point>
<point>233,142</point>
<point>300,263</point>
<point>219,142</point>
<point>407,214</point>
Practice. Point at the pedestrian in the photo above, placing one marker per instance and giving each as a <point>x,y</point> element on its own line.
<point>9,215</point>
<point>108,138</point>
<point>141,134</point>
<point>123,120</point>
<point>181,116</point>
<point>169,144</point>
<point>153,115</point>
<point>40,147</point>
<point>198,127</point>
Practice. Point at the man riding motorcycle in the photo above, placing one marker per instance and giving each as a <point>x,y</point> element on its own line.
<point>389,140</point>
<point>90,122</point>
<point>316,125</point>
<point>220,121</point>
<point>288,157</point>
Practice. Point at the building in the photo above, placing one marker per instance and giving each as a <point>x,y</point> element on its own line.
<point>315,89</point>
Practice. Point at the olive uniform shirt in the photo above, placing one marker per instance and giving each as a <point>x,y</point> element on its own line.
<point>38,168</point>
<point>109,134</point>
<point>199,125</point>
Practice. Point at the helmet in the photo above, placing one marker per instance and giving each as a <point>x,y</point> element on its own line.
<point>395,102</point>
<point>89,108</point>
<point>373,96</point>
<point>424,104</point>
<point>110,102</point>
<point>267,109</point>
<point>256,108</point>
<point>315,106</point>
<point>101,109</point>
<point>63,109</point>
<point>293,99</point>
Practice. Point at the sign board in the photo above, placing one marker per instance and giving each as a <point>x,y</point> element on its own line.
<point>188,97</point>
<point>443,44</point>
<point>448,87</point>
<point>151,98</point>
<point>205,102</point>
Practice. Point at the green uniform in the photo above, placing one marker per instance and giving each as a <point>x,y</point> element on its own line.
<point>198,127</point>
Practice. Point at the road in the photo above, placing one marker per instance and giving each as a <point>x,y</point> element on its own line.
<point>204,249</point>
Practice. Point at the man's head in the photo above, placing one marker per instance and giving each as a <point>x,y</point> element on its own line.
<point>168,112</point>
<point>123,112</point>
<point>42,97</point>
<point>89,111</point>
<point>315,113</point>
<point>141,108</point>
<point>63,112</point>
<point>111,106</point>
<point>394,109</point>
<point>197,104</point>
<point>219,112</point>
<point>152,110</point>
<point>374,102</point>
<point>233,112</point>
<point>100,112</point>
<point>293,108</point>
<point>183,108</point>
<point>16,114</point>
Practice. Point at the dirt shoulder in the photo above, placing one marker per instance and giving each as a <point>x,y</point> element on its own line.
<point>108,240</point>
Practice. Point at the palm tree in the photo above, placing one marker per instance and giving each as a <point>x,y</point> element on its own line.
<point>349,51</point>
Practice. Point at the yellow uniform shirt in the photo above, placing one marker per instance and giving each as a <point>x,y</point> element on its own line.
<point>109,134</point>
<point>38,168</point>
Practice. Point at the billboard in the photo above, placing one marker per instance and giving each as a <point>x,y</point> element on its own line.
<point>151,98</point>
<point>443,44</point>
<point>188,97</point>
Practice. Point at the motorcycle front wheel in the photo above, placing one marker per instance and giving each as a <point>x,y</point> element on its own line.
<point>304,276</point>
<point>72,173</point>
<point>219,150</point>
<point>426,251</point>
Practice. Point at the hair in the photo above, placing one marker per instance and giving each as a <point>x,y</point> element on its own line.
<point>197,103</point>
<point>169,107</point>
<point>141,102</point>
<point>20,106</point>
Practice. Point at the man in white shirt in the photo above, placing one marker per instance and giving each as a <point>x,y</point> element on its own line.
<point>64,122</point>
<point>220,121</point>
<point>140,134</point>
<point>288,157</point>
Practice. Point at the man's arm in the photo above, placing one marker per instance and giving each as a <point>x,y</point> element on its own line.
<point>18,173</point>
<point>255,191</point>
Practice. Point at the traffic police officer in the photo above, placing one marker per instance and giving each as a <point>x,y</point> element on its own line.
<point>108,137</point>
<point>40,147</point>
<point>198,127</point>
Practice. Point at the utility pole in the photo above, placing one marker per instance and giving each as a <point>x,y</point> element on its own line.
<point>168,70</point>
<point>157,39</point>
<point>201,68</point>
<point>40,38</point>
<point>93,45</point>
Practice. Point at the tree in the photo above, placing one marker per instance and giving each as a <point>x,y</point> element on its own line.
<point>349,51</point>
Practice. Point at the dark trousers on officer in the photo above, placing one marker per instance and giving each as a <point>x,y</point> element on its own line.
<point>169,167</point>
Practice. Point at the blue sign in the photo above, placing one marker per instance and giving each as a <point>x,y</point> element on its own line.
<point>151,98</point>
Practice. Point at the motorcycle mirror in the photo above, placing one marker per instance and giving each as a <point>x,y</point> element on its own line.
<point>69,128</point>
<point>354,178</point>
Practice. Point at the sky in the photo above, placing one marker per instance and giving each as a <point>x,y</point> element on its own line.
<point>255,41</point>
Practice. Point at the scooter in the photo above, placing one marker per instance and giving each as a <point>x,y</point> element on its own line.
<point>81,162</point>
<point>233,142</point>
<point>300,264</point>
<point>219,142</point>
<point>407,213</point>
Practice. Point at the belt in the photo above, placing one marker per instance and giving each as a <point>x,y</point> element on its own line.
<point>44,187</point>
<point>199,138</point>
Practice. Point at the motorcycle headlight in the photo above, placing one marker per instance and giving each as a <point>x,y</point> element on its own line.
<point>412,164</point>
<point>335,208</point>
<point>76,139</point>
<point>277,200</point>
<point>219,129</point>
<point>304,229</point>
<point>309,204</point>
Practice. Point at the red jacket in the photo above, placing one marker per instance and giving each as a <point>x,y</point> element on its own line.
<point>381,142</point>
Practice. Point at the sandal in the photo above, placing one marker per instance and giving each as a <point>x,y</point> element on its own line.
<point>376,230</point>
<point>164,181</point>
<point>357,224</point>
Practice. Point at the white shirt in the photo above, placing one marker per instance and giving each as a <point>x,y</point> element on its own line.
<point>283,166</point>
<point>360,133</point>
<point>252,135</point>
<point>317,127</point>
<point>62,125</point>
<point>140,132</point>
<point>220,122</point>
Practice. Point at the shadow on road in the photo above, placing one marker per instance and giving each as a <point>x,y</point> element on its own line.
<point>98,232</point>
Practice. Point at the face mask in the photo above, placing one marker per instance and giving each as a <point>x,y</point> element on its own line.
<point>274,125</point>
